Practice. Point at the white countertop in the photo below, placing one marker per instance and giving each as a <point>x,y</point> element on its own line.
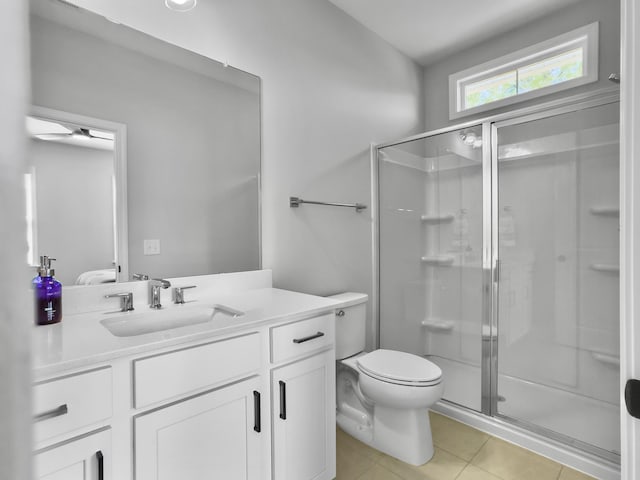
<point>81,341</point>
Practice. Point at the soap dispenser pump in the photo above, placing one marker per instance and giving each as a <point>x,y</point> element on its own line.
<point>48,294</point>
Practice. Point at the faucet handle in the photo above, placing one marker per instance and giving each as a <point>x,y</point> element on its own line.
<point>179,294</point>
<point>140,276</point>
<point>126,300</point>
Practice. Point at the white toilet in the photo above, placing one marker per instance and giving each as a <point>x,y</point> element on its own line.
<point>383,397</point>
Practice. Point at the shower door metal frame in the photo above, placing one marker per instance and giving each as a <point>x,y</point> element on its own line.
<point>492,403</point>
<point>490,253</point>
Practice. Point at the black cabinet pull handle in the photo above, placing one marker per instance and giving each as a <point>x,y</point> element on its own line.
<point>632,397</point>
<point>256,411</point>
<point>100,459</point>
<point>56,412</point>
<point>283,400</point>
<point>310,337</point>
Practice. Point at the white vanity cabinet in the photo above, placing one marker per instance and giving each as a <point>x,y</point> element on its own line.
<point>70,417</point>
<point>70,405</point>
<point>254,403</point>
<point>85,458</point>
<point>303,408</point>
<point>214,435</point>
<point>212,425</point>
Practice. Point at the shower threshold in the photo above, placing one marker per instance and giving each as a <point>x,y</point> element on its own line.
<point>588,420</point>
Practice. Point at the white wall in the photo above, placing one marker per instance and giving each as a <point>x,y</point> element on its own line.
<point>330,88</point>
<point>74,207</point>
<point>15,318</point>
<point>607,13</point>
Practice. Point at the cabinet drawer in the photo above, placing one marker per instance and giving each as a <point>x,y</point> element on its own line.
<point>70,403</point>
<point>171,374</point>
<point>295,339</point>
<point>86,458</point>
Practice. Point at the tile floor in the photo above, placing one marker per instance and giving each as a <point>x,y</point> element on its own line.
<point>461,453</point>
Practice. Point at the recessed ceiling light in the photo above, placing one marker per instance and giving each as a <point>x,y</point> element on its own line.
<point>180,5</point>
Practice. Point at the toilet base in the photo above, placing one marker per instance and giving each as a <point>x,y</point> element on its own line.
<point>403,434</point>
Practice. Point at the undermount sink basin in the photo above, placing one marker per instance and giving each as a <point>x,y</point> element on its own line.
<point>139,323</point>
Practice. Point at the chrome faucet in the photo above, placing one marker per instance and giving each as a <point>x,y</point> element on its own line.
<point>126,300</point>
<point>155,284</point>
<point>179,294</point>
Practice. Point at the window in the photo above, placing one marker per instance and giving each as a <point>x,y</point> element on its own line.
<point>557,64</point>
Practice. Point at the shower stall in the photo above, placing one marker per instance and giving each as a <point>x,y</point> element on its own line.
<point>498,260</point>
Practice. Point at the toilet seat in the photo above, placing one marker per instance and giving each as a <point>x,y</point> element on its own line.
<point>400,368</point>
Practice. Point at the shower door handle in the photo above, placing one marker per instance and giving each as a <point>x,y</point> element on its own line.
<point>632,397</point>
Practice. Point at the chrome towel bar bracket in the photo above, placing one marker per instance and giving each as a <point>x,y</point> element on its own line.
<point>295,202</point>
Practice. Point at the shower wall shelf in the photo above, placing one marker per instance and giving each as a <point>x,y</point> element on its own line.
<point>605,267</point>
<point>607,359</point>
<point>444,260</point>
<point>437,325</point>
<point>605,211</point>
<point>442,218</point>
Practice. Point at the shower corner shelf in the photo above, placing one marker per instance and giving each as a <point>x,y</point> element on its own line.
<point>442,218</point>
<point>605,211</point>
<point>437,325</point>
<point>444,260</point>
<point>605,267</point>
<point>607,359</point>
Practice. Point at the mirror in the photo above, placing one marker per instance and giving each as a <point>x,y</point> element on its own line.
<point>184,193</point>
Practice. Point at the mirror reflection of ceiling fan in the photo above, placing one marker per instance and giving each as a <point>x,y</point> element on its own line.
<point>57,132</point>
<point>77,132</point>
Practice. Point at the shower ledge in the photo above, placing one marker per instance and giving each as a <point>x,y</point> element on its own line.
<point>606,211</point>
<point>437,218</point>
<point>438,324</point>
<point>438,259</point>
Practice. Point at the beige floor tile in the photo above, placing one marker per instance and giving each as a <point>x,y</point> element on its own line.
<point>569,474</point>
<point>510,462</point>
<point>345,440</point>
<point>353,458</point>
<point>350,464</point>
<point>443,466</point>
<point>378,472</point>
<point>455,437</point>
<point>474,473</point>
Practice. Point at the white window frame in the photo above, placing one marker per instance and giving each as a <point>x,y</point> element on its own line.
<point>585,37</point>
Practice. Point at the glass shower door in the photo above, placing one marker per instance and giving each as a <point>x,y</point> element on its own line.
<point>558,274</point>
<point>431,234</point>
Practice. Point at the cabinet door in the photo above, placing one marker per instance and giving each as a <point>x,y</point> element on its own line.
<point>214,435</point>
<point>304,427</point>
<point>87,458</point>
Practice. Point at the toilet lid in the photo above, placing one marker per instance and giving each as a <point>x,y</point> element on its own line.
<point>399,367</point>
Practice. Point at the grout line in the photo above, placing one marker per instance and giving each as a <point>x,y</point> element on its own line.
<point>462,471</point>
<point>489,437</point>
<point>490,473</point>
<point>451,453</point>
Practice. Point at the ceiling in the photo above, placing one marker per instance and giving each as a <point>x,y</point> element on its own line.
<point>428,30</point>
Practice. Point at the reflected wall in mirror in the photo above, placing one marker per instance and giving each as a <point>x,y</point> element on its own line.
<point>76,196</point>
<point>192,143</point>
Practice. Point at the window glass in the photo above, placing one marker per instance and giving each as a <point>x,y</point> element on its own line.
<point>491,89</point>
<point>551,71</point>
<point>557,64</point>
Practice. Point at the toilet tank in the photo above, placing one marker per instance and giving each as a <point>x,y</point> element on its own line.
<point>350,325</point>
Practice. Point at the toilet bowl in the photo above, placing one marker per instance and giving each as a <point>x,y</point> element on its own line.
<point>383,397</point>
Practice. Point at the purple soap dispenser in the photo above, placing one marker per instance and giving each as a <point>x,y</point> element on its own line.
<point>48,294</point>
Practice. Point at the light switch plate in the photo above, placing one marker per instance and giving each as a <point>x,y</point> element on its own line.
<point>152,247</point>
